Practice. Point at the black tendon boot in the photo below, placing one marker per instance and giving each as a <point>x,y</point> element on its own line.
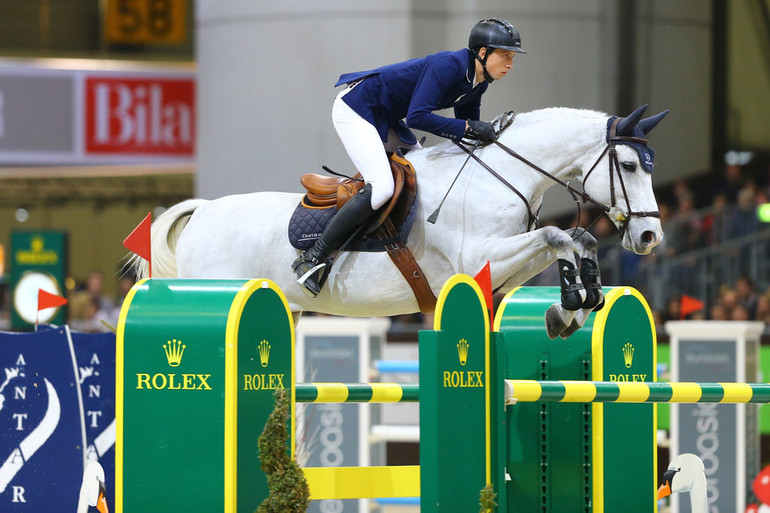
<point>592,281</point>
<point>312,265</point>
<point>572,293</point>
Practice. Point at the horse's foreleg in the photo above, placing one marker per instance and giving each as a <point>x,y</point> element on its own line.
<point>587,248</point>
<point>523,256</point>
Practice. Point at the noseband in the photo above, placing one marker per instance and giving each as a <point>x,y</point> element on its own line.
<point>621,218</point>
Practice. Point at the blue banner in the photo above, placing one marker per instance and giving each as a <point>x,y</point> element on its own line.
<point>95,356</point>
<point>42,434</point>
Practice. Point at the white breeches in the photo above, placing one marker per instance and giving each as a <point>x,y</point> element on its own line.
<point>366,149</point>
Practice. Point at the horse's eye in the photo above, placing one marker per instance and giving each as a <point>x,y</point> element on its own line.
<point>629,166</point>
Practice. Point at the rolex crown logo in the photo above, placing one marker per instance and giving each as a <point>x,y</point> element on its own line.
<point>462,351</point>
<point>628,354</point>
<point>264,352</point>
<point>174,351</point>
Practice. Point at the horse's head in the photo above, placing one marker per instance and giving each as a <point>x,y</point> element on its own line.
<point>622,180</point>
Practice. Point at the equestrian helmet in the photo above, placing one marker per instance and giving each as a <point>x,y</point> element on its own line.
<point>495,33</point>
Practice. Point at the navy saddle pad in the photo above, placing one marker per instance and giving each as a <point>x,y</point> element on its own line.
<point>307,223</point>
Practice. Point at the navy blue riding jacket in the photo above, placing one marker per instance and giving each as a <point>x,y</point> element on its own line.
<point>412,90</point>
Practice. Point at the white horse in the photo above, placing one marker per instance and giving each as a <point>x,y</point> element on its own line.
<point>245,236</point>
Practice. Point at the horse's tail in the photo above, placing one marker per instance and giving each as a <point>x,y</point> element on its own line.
<point>165,233</point>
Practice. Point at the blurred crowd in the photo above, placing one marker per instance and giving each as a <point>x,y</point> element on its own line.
<point>90,309</point>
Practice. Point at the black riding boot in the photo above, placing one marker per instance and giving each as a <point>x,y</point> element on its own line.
<point>311,266</point>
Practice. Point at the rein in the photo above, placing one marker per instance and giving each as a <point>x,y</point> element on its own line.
<point>614,168</point>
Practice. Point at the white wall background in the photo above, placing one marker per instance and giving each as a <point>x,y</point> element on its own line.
<point>266,70</point>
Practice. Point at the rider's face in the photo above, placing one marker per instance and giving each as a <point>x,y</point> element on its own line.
<point>499,63</point>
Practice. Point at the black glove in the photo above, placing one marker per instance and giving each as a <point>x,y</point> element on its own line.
<point>480,130</point>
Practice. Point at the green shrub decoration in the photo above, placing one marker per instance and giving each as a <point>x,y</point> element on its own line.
<point>487,499</point>
<point>289,492</point>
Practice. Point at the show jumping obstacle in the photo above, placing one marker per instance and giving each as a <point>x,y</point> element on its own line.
<point>199,360</point>
<point>613,392</point>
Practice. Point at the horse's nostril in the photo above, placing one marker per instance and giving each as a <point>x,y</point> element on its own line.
<point>648,237</point>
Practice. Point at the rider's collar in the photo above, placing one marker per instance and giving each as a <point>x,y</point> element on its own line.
<point>646,154</point>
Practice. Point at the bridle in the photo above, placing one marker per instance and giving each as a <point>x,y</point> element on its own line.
<point>621,218</point>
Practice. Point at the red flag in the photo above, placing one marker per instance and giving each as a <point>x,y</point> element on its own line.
<point>484,279</point>
<point>48,300</point>
<point>139,240</point>
<point>688,305</point>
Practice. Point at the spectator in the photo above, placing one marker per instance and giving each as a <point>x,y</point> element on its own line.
<point>672,309</point>
<point>718,313</point>
<point>95,319</point>
<point>715,223</point>
<point>690,233</point>
<point>744,219</point>
<point>746,295</point>
<point>728,298</point>
<point>82,301</point>
<point>682,192</point>
<point>763,308</point>
<point>740,313</point>
<point>125,282</point>
<point>731,182</point>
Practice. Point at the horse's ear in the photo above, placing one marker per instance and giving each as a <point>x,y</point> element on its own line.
<point>648,124</point>
<point>626,125</point>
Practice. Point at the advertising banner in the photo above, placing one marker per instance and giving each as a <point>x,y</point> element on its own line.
<point>38,261</point>
<point>50,427</point>
<point>724,436</point>
<point>42,442</point>
<point>95,357</point>
<point>127,114</point>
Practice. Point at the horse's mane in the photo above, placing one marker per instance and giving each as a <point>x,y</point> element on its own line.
<point>523,121</point>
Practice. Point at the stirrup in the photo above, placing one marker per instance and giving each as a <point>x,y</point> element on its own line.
<point>306,279</point>
<point>302,279</point>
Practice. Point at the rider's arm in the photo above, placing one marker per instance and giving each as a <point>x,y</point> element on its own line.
<point>438,77</point>
<point>472,108</point>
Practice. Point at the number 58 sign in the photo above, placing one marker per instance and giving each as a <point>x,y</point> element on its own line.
<point>145,21</point>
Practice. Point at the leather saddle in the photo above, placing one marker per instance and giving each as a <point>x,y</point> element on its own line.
<point>328,191</point>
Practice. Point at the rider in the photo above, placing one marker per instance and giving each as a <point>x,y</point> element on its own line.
<point>370,112</point>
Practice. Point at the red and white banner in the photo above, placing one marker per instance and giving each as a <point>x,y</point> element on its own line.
<point>129,114</point>
<point>152,116</point>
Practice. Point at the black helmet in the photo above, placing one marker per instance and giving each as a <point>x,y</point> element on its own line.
<point>495,33</point>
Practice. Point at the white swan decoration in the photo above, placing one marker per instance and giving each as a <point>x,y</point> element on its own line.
<point>92,490</point>
<point>686,473</point>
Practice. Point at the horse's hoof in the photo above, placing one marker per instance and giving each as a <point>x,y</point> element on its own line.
<point>554,323</point>
<point>572,328</point>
